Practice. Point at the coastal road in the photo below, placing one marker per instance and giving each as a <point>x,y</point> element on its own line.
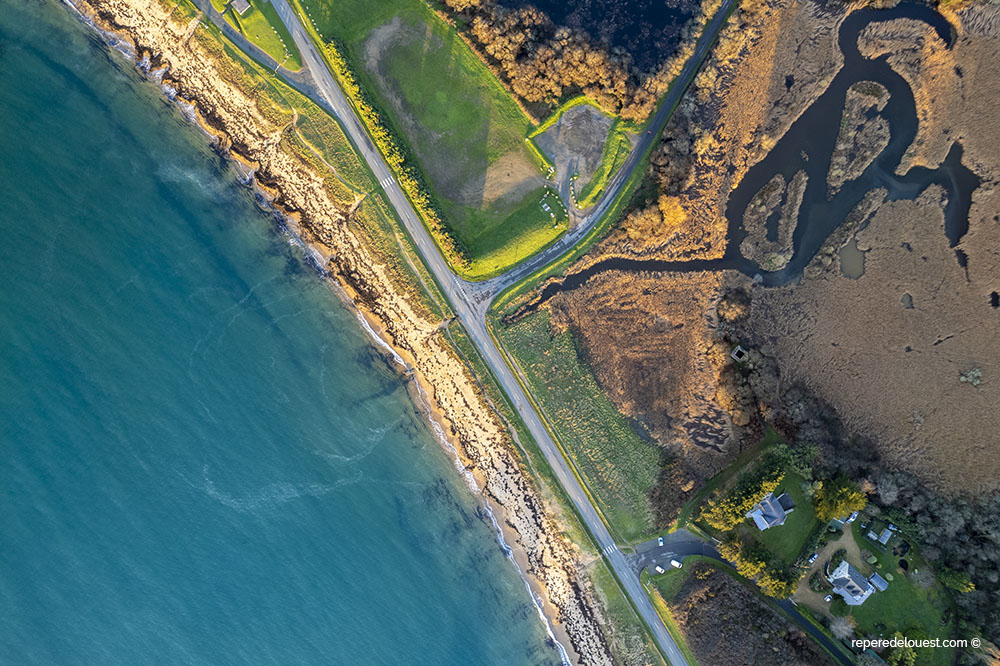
<point>470,301</point>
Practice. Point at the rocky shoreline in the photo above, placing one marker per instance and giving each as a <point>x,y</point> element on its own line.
<point>168,45</point>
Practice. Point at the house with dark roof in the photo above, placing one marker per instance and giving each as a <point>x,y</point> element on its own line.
<point>850,584</point>
<point>771,511</point>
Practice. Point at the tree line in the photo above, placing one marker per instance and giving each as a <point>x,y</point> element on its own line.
<point>542,63</point>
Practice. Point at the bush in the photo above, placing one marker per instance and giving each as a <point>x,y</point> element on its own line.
<point>839,497</point>
<point>838,607</point>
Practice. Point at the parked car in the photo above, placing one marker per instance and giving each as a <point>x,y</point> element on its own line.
<point>659,569</point>
<point>828,598</point>
<point>852,517</point>
<point>813,557</point>
<point>659,542</point>
<point>676,564</point>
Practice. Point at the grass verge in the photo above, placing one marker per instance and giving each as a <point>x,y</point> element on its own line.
<point>262,26</point>
<point>615,465</point>
<point>616,150</point>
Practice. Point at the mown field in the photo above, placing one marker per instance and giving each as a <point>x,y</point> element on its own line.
<point>262,26</point>
<point>464,130</point>
<point>616,465</point>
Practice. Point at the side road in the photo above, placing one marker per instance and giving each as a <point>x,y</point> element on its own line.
<point>471,303</point>
<point>680,544</point>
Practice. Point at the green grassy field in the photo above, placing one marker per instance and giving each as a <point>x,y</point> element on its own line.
<point>616,465</point>
<point>466,132</point>
<point>903,606</point>
<point>786,541</point>
<point>262,26</point>
<point>520,236</point>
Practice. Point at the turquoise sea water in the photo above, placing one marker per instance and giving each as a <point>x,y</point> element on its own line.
<point>202,459</point>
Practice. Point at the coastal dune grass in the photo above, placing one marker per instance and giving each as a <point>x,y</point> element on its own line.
<point>465,133</point>
<point>616,465</point>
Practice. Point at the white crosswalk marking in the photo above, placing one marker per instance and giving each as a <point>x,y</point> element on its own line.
<point>610,549</point>
<point>385,182</point>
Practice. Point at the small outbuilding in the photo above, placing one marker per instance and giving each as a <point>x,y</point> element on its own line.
<point>240,6</point>
<point>881,584</point>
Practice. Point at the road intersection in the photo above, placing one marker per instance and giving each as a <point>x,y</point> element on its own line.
<point>471,300</point>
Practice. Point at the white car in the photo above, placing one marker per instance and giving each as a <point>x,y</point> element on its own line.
<point>659,542</point>
<point>676,564</point>
<point>659,569</point>
<point>852,517</point>
<point>813,557</point>
<point>828,598</point>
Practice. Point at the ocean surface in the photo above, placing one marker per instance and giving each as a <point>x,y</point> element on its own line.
<point>204,460</point>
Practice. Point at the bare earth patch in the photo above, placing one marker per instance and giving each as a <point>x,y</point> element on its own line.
<point>508,180</point>
<point>575,143</point>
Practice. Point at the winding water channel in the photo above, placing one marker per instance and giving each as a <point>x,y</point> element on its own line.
<point>808,146</point>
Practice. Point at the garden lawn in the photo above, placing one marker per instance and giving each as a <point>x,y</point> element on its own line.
<point>262,26</point>
<point>616,465</point>
<point>903,606</point>
<point>786,541</point>
<point>464,130</point>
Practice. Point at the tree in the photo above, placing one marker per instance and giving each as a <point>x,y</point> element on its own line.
<point>842,627</point>
<point>837,498</point>
<point>956,580</point>
<point>838,607</point>
<point>901,656</point>
<point>724,512</point>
